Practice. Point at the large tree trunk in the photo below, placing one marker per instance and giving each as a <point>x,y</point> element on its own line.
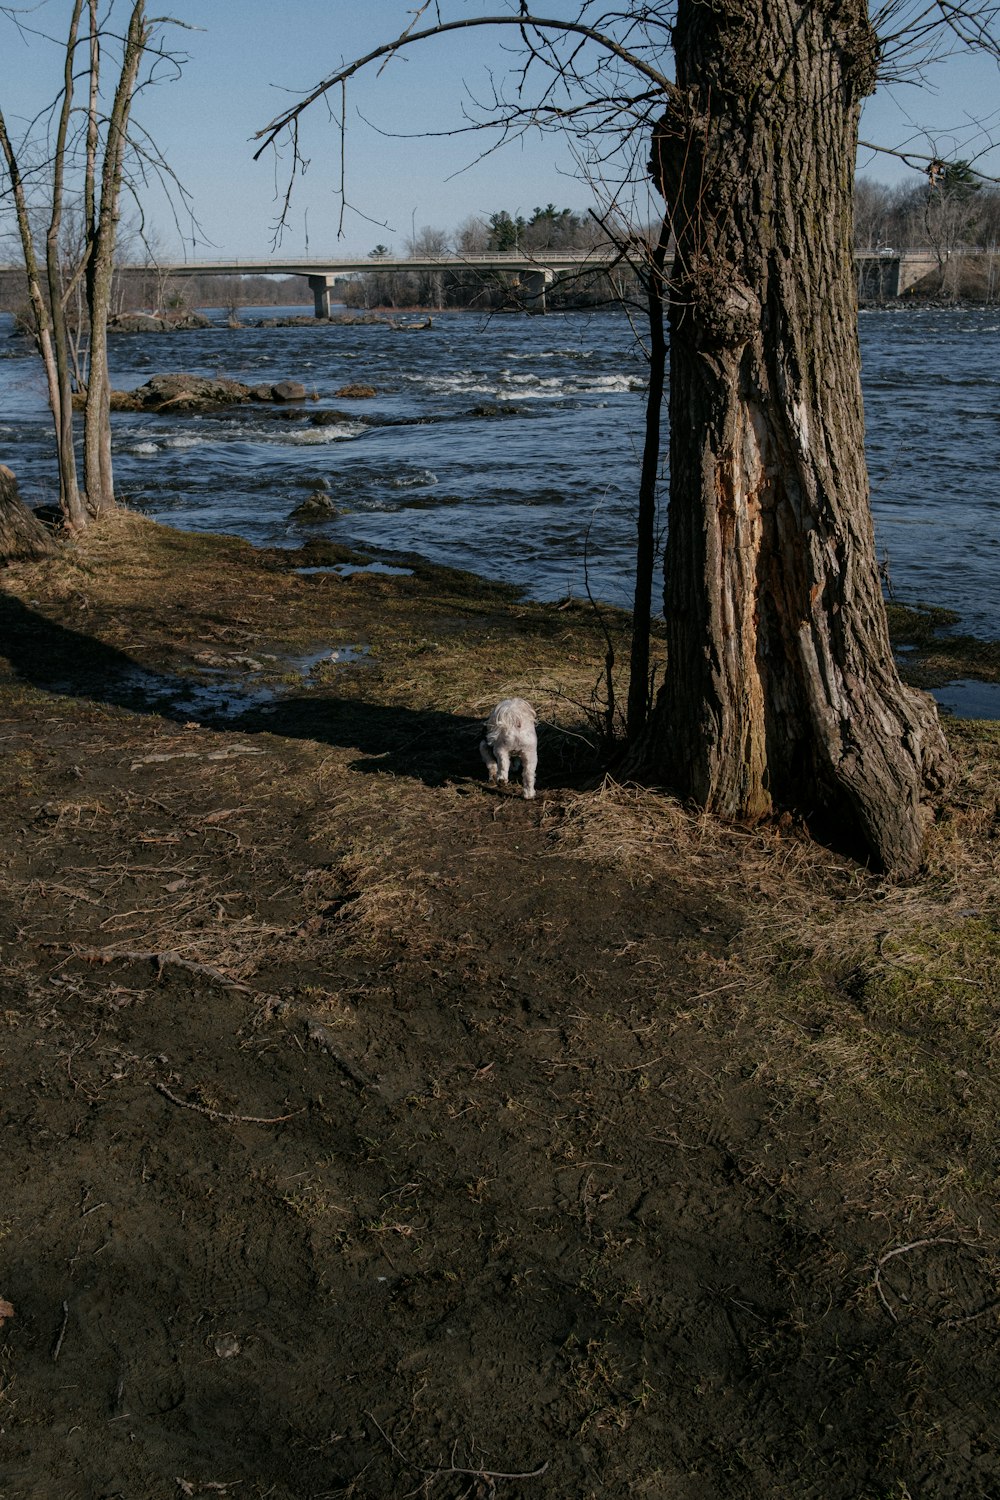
<point>21,532</point>
<point>781,689</point>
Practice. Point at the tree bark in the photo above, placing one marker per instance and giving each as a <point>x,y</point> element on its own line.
<point>21,533</point>
<point>50,321</point>
<point>781,690</point>
<point>98,473</point>
<point>43,323</point>
<point>70,499</point>
<point>640,686</point>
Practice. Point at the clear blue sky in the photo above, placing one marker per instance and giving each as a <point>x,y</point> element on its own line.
<point>248,58</point>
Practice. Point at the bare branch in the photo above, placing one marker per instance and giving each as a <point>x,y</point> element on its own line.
<point>539,23</point>
<point>920,161</point>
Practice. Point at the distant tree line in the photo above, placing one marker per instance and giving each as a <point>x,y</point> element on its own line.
<point>154,291</point>
<point>949,212</point>
<point>182,294</point>
<point>548,228</point>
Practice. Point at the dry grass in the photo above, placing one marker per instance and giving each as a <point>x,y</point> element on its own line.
<point>833,971</point>
<point>713,1099</point>
<point>869,1008</point>
<point>793,888</point>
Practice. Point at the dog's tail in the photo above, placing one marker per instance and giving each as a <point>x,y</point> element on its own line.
<point>513,713</point>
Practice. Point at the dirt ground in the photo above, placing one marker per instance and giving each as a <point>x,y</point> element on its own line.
<point>371,1132</point>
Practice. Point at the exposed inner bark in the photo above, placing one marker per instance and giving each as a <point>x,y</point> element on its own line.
<point>781,689</point>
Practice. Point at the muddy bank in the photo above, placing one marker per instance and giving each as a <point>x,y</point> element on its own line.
<point>368,1131</point>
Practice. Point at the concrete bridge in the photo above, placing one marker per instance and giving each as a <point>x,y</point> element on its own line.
<point>882,274</point>
<point>537,270</point>
<point>886,274</point>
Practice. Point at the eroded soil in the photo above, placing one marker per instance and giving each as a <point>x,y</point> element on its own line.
<point>372,1132</point>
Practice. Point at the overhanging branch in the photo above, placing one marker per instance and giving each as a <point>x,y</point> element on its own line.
<point>282,122</point>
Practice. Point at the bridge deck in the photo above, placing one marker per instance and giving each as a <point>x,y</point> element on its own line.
<point>884,274</point>
<point>505,260</point>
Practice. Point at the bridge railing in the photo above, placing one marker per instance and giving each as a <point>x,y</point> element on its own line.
<point>304,265</point>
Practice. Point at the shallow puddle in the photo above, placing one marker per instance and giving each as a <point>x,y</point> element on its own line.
<point>967,698</point>
<point>336,655</point>
<point>219,692</point>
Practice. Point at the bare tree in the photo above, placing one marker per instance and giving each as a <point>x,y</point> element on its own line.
<point>951,215</point>
<point>49,311</point>
<point>472,236</point>
<point>873,215</point>
<point>103,210</point>
<point>781,691</point>
<point>427,287</point>
<point>96,150</point>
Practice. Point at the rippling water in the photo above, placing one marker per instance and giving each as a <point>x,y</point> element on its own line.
<point>510,445</point>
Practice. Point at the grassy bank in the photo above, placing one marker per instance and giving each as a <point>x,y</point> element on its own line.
<point>369,1131</point>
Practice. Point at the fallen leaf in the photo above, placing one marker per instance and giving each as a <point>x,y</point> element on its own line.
<point>6,1310</point>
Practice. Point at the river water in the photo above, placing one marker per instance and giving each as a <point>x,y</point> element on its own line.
<point>510,445</point>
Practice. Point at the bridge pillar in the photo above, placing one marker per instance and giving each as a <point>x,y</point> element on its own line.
<point>914,265</point>
<point>320,287</point>
<point>534,283</point>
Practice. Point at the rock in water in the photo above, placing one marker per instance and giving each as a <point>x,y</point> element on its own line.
<point>357,392</point>
<point>315,507</point>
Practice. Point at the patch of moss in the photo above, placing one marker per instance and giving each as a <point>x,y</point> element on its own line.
<point>933,656</point>
<point>938,984</point>
<point>919,624</point>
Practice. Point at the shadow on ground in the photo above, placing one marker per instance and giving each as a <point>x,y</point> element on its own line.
<point>429,745</point>
<point>426,744</point>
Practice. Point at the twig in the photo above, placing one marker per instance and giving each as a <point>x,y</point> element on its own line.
<point>609,654</point>
<point>197,1487</point>
<point>488,1474</point>
<point>971,1317</point>
<point>322,1037</point>
<point>215,1114</point>
<point>578,28</point>
<point>903,1250</point>
<point>161,960</point>
<point>61,1334</point>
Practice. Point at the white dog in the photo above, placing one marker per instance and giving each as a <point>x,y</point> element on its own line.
<point>510,735</point>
